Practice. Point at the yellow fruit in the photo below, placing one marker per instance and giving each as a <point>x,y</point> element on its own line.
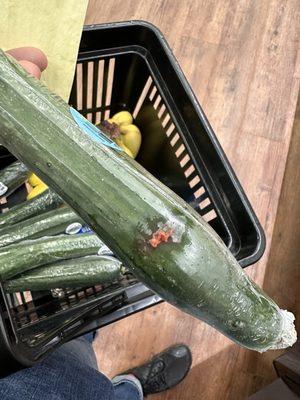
<point>126,128</point>
<point>127,151</point>
<point>122,117</point>
<point>37,190</point>
<point>123,147</point>
<point>34,180</point>
<point>131,137</point>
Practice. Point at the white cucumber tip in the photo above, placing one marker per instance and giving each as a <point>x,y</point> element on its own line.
<point>288,334</point>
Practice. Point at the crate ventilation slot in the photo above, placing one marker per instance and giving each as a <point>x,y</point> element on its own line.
<point>92,88</point>
<point>26,311</point>
<point>202,203</point>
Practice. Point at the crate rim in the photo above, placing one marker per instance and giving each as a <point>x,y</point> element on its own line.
<point>261,242</point>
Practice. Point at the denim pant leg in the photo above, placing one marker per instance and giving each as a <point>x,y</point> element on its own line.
<point>127,387</point>
<point>69,373</point>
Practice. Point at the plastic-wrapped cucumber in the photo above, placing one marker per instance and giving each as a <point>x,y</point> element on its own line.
<point>12,177</point>
<point>49,223</point>
<point>46,201</point>
<point>23,256</point>
<point>77,272</point>
<point>149,228</point>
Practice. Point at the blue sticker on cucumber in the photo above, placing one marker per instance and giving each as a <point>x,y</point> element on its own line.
<point>95,133</point>
<point>77,228</point>
<point>85,229</point>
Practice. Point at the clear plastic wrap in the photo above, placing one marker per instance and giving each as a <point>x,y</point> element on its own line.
<point>51,222</point>
<point>84,271</point>
<point>46,201</point>
<point>20,257</point>
<point>149,228</point>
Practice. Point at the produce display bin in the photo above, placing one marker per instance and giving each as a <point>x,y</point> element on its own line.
<point>129,66</point>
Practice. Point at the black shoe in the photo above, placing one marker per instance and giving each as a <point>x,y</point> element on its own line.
<point>164,370</point>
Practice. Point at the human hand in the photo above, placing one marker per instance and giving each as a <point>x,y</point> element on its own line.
<point>31,58</point>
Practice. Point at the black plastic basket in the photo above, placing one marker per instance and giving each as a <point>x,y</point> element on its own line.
<point>129,66</point>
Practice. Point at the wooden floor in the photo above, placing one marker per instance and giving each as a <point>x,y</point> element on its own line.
<point>220,370</point>
<point>242,60</point>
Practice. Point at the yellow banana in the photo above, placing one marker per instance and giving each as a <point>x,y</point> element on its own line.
<point>125,148</point>
<point>122,117</point>
<point>40,188</point>
<point>34,180</point>
<point>121,129</point>
<point>131,137</point>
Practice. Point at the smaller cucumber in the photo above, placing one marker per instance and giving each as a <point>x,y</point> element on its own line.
<point>77,272</point>
<point>49,223</point>
<point>12,177</point>
<point>21,257</point>
<point>46,201</point>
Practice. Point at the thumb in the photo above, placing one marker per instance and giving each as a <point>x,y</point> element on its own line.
<point>31,68</point>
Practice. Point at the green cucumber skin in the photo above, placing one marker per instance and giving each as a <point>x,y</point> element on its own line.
<point>46,201</point>
<point>49,223</point>
<point>124,205</point>
<point>79,272</point>
<point>23,256</point>
<point>13,176</point>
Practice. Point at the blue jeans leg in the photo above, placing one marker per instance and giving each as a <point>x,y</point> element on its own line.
<point>69,373</point>
<point>127,387</point>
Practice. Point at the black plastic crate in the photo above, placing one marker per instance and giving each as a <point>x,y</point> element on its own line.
<point>129,66</point>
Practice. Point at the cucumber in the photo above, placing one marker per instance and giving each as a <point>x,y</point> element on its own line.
<point>49,223</point>
<point>78,272</point>
<point>149,228</point>
<point>21,257</point>
<point>12,177</point>
<point>46,201</point>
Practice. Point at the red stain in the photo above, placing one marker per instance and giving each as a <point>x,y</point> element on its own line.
<point>160,236</point>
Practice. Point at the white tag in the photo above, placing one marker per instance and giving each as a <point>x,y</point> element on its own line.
<point>105,251</point>
<point>3,189</point>
<point>74,228</point>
